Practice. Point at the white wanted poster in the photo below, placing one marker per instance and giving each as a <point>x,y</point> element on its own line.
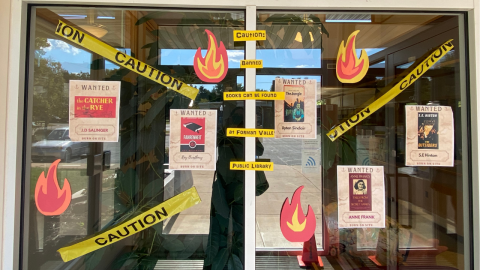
<point>361,197</point>
<point>429,136</point>
<point>193,139</point>
<point>94,111</point>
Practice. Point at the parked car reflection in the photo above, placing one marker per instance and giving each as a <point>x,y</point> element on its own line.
<point>58,145</point>
<point>40,135</point>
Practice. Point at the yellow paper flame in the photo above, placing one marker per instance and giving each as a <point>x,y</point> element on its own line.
<point>296,226</point>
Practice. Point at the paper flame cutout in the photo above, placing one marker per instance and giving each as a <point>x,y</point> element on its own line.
<point>350,69</point>
<point>294,225</point>
<point>49,198</point>
<point>214,67</point>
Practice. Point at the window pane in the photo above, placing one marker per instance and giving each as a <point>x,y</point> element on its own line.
<point>112,182</point>
<point>423,205</point>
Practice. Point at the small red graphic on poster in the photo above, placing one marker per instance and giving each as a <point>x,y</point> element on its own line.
<point>95,107</point>
<point>295,226</point>
<point>192,134</point>
<point>214,66</point>
<point>49,198</point>
<point>360,191</point>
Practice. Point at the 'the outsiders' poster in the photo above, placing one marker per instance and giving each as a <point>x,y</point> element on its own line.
<point>94,110</point>
<point>296,116</point>
<point>361,197</point>
<point>429,140</point>
<point>193,139</point>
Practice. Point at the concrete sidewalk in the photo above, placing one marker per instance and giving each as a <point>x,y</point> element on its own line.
<point>284,180</point>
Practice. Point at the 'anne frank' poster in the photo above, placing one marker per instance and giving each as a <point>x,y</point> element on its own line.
<point>296,116</point>
<point>361,197</point>
<point>193,137</point>
<point>429,139</point>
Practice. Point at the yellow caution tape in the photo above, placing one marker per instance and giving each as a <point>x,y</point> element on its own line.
<point>251,63</point>
<point>404,83</point>
<point>254,95</point>
<point>245,35</point>
<point>137,224</point>
<point>121,59</point>
<point>250,132</point>
<point>255,166</point>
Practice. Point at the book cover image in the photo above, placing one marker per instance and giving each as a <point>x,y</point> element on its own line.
<point>360,194</point>
<point>296,116</point>
<point>294,105</point>
<point>192,134</point>
<point>429,138</point>
<point>193,139</point>
<point>428,131</point>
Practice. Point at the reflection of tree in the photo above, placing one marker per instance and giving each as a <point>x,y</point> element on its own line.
<point>50,92</point>
<point>51,102</point>
<point>205,95</point>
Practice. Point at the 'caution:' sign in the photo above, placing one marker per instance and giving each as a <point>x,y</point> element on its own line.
<point>137,224</point>
<point>245,35</point>
<point>254,95</point>
<point>250,132</point>
<point>121,59</point>
<point>255,166</point>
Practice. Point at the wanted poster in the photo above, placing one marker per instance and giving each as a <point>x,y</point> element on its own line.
<point>193,139</point>
<point>361,197</point>
<point>296,116</point>
<point>429,138</point>
<point>94,111</point>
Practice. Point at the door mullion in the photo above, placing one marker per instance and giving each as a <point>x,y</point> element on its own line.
<point>250,122</point>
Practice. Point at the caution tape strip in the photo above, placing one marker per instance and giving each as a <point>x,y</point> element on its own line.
<point>408,80</point>
<point>121,59</point>
<point>137,224</point>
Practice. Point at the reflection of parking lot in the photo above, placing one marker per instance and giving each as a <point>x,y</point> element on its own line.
<point>283,151</point>
<point>80,162</point>
<point>75,218</point>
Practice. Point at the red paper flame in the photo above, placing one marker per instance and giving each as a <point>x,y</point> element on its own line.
<point>49,198</point>
<point>214,67</point>
<point>294,225</point>
<point>350,69</point>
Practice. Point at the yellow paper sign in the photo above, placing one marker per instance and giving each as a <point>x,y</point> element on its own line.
<point>403,84</point>
<point>254,95</point>
<point>137,224</point>
<point>250,132</point>
<point>251,63</point>
<point>121,59</point>
<point>245,35</point>
<point>255,166</point>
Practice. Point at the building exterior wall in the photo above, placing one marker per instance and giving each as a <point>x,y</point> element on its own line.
<point>13,18</point>
<point>4,35</point>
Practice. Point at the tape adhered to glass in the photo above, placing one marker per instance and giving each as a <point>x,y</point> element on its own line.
<point>250,165</point>
<point>250,132</point>
<point>403,84</point>
<point>249,35</point>
<point>254,95</point>
<point>134,225</point>
<point>88,42</point>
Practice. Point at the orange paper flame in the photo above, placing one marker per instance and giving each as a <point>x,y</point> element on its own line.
<point>49,198</point>
<point>294,225</point>
<point>350,69</point>
<point>214,67</point>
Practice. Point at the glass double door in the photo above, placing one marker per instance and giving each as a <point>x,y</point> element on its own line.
<point>244,218</point>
